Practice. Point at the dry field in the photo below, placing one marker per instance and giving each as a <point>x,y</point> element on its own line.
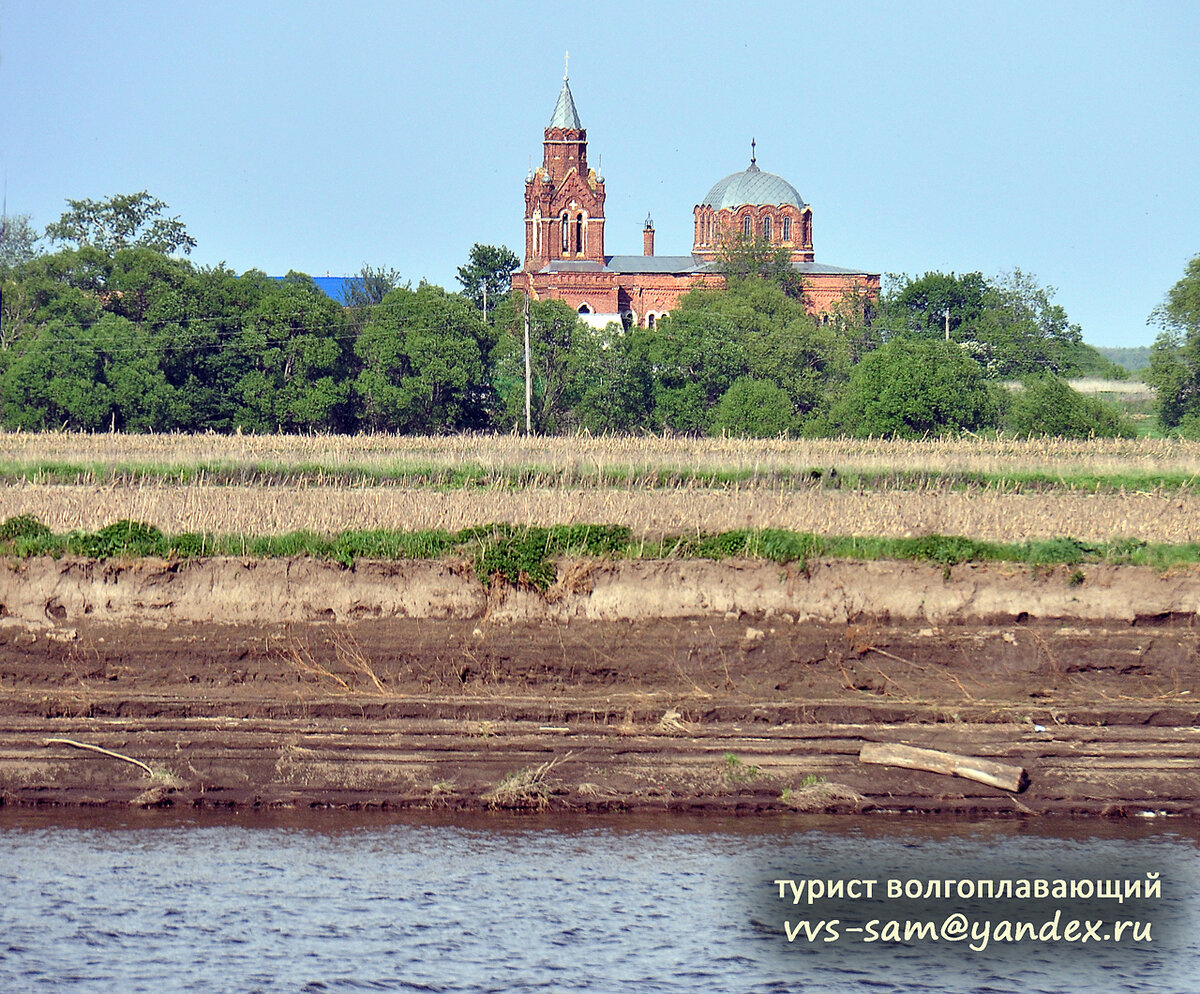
<point>581,455</point>
<point>569,485</point>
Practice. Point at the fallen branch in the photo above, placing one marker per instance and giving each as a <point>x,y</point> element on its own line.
<point>1001,775</point>
<point>104,752</point>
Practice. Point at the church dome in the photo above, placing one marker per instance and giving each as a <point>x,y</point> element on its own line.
<point>752,186</point>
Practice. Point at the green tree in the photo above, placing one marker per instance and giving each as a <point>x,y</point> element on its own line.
<point>18,241</point>
<point>753,408</point>
<point>696,353</point>
<point>289,347</point>
<point>752,329</point>
<point>1046,405</point>
<point>1175,356</point>
<point>370,286</point>
<point>1010,324</point>
<point>121,221</point>
<point>488,272</point>
<point>919,306</point>
<point>912,387</point>
<point>87,379</point>
<point>740,258</point>
<point>554,330</point>
<point>422,357</point>
<point>608,385</point>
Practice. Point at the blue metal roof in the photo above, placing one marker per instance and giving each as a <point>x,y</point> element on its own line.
<point>334,287</point>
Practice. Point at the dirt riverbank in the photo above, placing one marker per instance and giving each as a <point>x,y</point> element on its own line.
<point>683,685</point>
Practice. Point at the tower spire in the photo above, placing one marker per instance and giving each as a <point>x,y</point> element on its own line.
<point>566,66</point>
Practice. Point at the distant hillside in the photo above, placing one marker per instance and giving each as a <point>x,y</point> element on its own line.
<point>1131,359</point>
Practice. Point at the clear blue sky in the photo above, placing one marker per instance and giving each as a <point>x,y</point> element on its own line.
<point>1060,138</point>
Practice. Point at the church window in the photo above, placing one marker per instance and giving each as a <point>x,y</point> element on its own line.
<point>579,234</point>
<point>747,227</point>
<point>766,229</point>
<point>566,233</point>
<point>650,321</point>
<point>787,229</point>
<point>584,309</point>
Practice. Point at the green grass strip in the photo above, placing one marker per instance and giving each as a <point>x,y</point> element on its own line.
<point>526,556</point>
<point>468,476</point>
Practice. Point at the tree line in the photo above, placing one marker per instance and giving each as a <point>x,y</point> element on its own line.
<point>113,330</point>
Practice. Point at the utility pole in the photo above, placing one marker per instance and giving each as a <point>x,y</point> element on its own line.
<point>528,369</point>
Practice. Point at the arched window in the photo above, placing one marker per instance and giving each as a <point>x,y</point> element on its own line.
<point>566,233</point>
<point>747,227</point>
<point>766,229</point>
<point>579,234</point>
<point>787,229</point>
<point>584,309</point>
<point>650,321</point>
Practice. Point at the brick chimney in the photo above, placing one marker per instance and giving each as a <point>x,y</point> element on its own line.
<point>648,237</point>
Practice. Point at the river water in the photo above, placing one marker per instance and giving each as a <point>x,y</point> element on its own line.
<point>150,902</point>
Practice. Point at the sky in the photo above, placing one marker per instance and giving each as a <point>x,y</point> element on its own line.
<point>1062,139</point>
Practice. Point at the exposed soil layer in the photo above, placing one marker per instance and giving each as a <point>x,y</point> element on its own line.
<point>684,686</point>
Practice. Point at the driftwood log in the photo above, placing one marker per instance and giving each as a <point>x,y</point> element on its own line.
<point>1001,775</point>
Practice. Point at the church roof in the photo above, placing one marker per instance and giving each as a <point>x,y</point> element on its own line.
<point>565,114</point>
<point>752,186</point>
<point>676,264</point>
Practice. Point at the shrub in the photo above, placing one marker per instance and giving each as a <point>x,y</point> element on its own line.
<point>1048,406</point>
<point>753,408</point>
<point>910,388</point>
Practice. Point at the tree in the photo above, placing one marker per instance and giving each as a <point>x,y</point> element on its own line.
<point>290,350</point>
<point>753,408</point>
<point>1010,324</point>
<point>87,379</point>
<point>1046,405</point>
<point>121,221</point>
<point>369,287</point>
<point>1175,357</point>
<point>489,270</point>
<point>554,332</point>
<point>422,355</point>
<point>752,329</point>
<point>919,306</point>
<point>740,258</point>
<point>18,241</point>
<point>912,387</point>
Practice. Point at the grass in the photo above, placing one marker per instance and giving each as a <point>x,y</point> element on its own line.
<point>736,772</point>
<point>525,789</point>
<point>609,462</point>
<point>529,556</point>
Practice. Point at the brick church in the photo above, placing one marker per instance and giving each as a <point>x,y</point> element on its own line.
<point>564,237</point>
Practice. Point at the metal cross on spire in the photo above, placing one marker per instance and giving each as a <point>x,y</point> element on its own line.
<point>752,157</point>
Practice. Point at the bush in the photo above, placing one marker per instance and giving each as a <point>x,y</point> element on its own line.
<point>1048,406</point>
<point>912,387</point>
<point>753,408</point>
<point>121,538</point>
<point>22,526</point>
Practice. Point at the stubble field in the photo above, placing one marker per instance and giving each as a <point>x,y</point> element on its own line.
<point>990,489</point>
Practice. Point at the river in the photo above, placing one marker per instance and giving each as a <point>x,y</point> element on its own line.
<point>354,902</point>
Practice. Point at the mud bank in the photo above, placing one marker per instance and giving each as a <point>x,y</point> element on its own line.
<point>65,591</point>
<point>681,686</point>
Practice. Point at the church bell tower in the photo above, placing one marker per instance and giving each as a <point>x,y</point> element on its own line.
<point>564,199</point>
